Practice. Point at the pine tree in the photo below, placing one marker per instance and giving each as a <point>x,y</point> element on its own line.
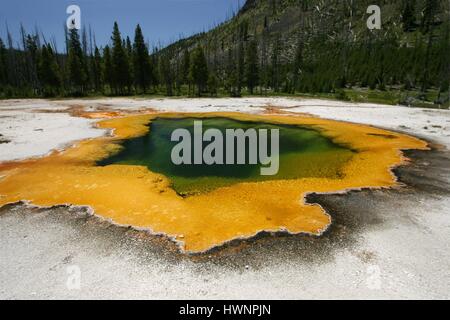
<point>129,46</point>
<point>273,6</point>
<point>48,71</point>
<point>96,67</point>
<point>242,39</point>
<point>120,64</point>
<point>154,80</point>
<point>212,84</point>
<point>177,75</point>
<point>166,73</point>
<point>251,66</point>
<point>264,77</point>
<point>129,54</point>
<point>12,64</point>
<point>429,15</point>
<point>409,15</point>
<point>199,69</point>
<point>298,65</point>
<point>443,65</point>
<point>431,8</point>
<point>275,68</point>
<point>77,74</point>
<point>3,66</point>
<point>240,72</point>
<point>108,77</point>
<point>141,61</point>
<point>31,47</point>
<point>186,66</point>
<point>231,74</point>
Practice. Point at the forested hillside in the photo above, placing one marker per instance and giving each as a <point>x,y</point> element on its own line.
<point>314,47</point>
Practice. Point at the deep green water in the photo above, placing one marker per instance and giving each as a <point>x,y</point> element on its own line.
<point>304,152</point>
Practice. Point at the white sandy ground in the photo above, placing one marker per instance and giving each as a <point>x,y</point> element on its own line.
<point>411,249</point>
<point>34,131</point>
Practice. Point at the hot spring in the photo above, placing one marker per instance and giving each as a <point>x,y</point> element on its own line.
<point>129,177</point>
<point>303,153</point>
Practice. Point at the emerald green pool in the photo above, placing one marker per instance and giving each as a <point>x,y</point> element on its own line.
<point>304,152</point>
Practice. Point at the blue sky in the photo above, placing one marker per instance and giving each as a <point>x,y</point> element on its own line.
<point>162,21</point>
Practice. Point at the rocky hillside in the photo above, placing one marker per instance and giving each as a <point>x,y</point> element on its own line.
<point>291,21</point>
<point>322,46</point>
